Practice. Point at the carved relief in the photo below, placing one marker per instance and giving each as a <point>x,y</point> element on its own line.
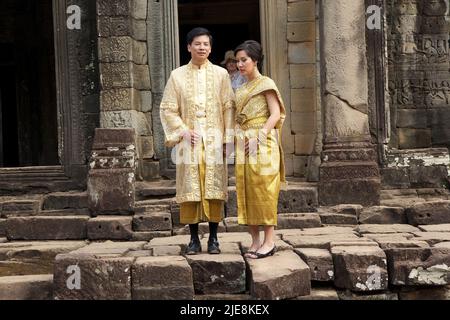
<point>419,64</point>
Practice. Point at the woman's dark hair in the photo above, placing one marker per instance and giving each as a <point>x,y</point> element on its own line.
<point>197,32</point>
<point>253,50</point>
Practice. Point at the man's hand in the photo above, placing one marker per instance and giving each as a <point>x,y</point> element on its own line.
<point>192,136</point>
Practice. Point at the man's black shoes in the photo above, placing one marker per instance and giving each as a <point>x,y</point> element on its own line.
<point>194,247</point>
<point>213,246</point>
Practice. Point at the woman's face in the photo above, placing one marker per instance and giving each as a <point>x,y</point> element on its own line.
<point>245,64</point>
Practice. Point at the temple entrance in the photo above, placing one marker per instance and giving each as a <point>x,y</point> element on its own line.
<point>230,22</point>
<point>28,108</point>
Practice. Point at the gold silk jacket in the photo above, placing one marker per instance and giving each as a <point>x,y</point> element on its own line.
<point>178,113</point>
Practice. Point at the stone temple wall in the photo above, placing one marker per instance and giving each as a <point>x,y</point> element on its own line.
<point>419,73</point>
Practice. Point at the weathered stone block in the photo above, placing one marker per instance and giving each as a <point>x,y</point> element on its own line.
<point>2,227</point>
<point>302,76</point>
<point>298,220</point>
<point>428,176</point>
<point>298,199</point>
<point>303,100</point>
<point>413,119</point>
<point>149,235</point>
<point>162,278</point>
<point>126,119</point>
<point>31,287</point>
<point>337,218</point>
<point>232,225</point>
<point>125,75</point>
<point>350,209</point>
<point>432,228</point>
<point>419,266</point>
<point>414,138</point>
<point>381,228</point>
<point>158,221</point>
<point>319,261</point>
<point>304,144</point>
<point>224,273</point>
<point>438,293</point>
<point>354,182</point>
<point>162,251</point>
<point>145,147</point>
<point>303,123</point>
<point>122,49</point>
<point>318,294</point>
<point>395,177</point>
<point>432,238</point>
<point>282,276</point>
<point>46,228</point>
<point>111,191</point>
<point>382,215</point>
<point>302,11</point>
<point>84,277</point>
<point>149,169</point>
<point>65,200</point>
<point>362,296</point>
<point>302,52</point>
<point>301,32</point>
<point>110,228</point>
<point>434,212</point>
<point>36,257</point>
<point>120,99</point>
<point>360,268</point>
<point>20,208</point>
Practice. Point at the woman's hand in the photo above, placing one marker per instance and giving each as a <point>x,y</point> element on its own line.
<point>251,146</point>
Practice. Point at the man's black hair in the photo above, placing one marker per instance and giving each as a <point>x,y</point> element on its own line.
<point>197,32</point>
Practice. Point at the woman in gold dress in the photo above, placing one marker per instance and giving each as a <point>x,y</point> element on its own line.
<point>260,114</point>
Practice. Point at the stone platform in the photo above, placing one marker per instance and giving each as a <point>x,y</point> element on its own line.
<point>53,247</point>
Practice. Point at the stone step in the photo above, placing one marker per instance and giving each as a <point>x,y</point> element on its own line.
<point>65,200</point>
<point>33,257</point>
<point>153,190</point>
<point>158,270</point>
<point>13,208</point>
<point>47,228</point>
<point>30,287</point>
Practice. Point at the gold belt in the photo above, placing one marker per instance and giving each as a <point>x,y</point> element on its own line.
<point>255,123</point>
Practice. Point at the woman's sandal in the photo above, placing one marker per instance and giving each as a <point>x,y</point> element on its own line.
<point>264,255</point>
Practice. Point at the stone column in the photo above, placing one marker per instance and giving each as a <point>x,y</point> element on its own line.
<point>126,97</point>
<point>349,172</point>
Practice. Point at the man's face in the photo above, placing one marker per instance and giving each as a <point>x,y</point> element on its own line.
<point>200,48</point>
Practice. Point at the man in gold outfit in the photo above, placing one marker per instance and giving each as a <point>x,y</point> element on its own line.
<point>197,114</point>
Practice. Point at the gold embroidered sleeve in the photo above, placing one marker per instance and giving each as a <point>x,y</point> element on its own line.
<point>228,109</point>
<point>170,113</point>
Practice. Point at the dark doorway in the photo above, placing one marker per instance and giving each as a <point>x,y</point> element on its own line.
<point>28,112</point>
<point>230,22</point>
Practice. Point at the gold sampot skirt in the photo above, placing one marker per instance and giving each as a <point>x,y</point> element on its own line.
<point>258,181</point>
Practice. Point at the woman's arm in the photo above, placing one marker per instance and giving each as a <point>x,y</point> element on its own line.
<point>275,111</point>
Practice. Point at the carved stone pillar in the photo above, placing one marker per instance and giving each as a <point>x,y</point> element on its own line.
<point>126,89</point>
<point>349,172</point>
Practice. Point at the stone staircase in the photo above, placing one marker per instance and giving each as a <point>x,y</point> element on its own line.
<point>52,247</point>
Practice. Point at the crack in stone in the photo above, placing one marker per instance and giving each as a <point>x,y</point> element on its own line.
<point>346,102</point>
